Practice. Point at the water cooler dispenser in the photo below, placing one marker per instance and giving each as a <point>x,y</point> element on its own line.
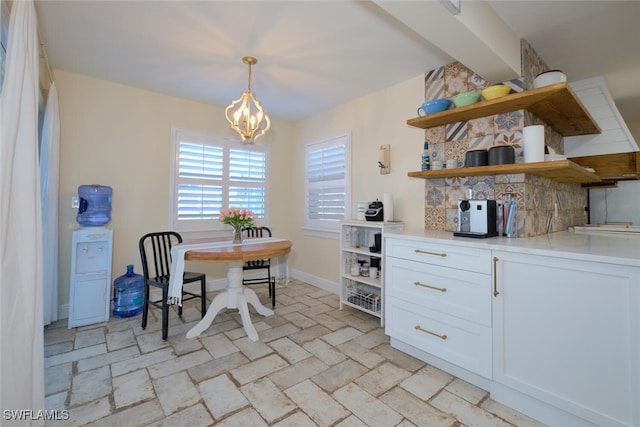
<point>90,286</point>
<point>91,251</point>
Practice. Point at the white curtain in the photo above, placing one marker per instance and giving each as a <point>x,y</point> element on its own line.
<point>49,171</point>
<point>21,331</point>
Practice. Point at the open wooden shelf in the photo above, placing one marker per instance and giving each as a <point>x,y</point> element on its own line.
<point>612,167</point>
<point>556,105</point>
<point>618,166</point>
<point>561,170</point>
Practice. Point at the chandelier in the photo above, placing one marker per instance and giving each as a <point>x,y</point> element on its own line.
<point>246,115</point>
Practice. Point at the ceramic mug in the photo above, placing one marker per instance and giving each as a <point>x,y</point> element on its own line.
<point>436,165</point>
<point>453,163</point>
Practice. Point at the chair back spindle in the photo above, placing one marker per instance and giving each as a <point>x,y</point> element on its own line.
<point>260,264</point>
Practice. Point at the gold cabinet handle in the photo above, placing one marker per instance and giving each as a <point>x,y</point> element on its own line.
<point>495,278</point>
<point>419,328</point>
<point>420,251</point>
<point>424,285</point>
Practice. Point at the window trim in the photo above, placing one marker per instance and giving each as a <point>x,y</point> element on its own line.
<point>214,225</point>
<point>324,228</point>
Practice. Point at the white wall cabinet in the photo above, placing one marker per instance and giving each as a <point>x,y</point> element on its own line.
<point>567,333</point>
<point>438,300</point>
<point>90,285</point>
<point>356,240</point>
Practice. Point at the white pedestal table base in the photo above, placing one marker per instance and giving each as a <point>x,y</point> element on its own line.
<point>235,296</point>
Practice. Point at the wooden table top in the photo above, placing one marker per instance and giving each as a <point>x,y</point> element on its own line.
<point>240,253</point>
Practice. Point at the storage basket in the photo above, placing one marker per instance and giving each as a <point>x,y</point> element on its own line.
<point>364,298</point>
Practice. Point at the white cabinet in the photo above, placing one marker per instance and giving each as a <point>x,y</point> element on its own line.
<point>567,334</point>
<point>90,282</point>
<point>438,303</point>
<point>358,247</point>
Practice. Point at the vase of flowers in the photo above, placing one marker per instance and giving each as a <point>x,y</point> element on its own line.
<point>238,219</point>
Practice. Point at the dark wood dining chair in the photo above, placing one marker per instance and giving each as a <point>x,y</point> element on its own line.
<point>260,264</point>
<point>155,253</point>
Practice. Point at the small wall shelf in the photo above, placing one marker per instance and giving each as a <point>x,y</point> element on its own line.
<point>561,171</point>
<point>556,105</point>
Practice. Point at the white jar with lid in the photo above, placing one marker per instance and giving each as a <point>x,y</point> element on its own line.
<point>364,269</point>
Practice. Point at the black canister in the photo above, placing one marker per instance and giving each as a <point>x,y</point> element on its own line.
<point>473,158</point>
<point>502,155</point>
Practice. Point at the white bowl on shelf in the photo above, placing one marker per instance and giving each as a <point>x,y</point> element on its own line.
<point>549,78</point>
<point>554,157</point>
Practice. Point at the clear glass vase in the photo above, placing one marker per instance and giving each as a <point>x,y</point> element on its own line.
<point>237,235</point>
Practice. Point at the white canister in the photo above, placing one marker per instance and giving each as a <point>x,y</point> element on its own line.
<point>362,208</point>
<point>387,202</point>
<point>355,269</point>
<point>533,143</point>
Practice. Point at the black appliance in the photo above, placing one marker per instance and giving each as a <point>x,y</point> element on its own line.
<point>374,212</point>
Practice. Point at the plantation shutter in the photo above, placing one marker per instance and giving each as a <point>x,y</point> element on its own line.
<point>200,169</point>
<point>327,183</point>
<point>209,174</point>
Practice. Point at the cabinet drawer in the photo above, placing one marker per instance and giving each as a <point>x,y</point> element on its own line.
<point>464,258</point>
<point>458,293</point>
<point>457,341</point>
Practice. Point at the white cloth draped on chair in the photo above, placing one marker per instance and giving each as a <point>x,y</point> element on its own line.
<point>49,172</point>
<point>21,330</point>
<point>280,269</point>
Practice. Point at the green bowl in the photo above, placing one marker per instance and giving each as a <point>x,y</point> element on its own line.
<point>465,98</point>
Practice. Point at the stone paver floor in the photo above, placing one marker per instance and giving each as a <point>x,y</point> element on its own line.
<point>314,365</point>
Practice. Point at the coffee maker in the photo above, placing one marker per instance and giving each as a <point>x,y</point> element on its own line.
<point>477,218</point>
<point>375,211</point>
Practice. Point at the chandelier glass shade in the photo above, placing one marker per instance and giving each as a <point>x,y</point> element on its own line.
<point>246,115</point>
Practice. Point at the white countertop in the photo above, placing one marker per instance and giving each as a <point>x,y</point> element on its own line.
<point>610,248</point>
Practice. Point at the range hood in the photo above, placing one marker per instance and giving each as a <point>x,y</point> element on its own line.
<point>615,136</point>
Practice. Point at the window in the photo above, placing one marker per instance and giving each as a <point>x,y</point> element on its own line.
<point>328,184</point>
<point>210,173</point>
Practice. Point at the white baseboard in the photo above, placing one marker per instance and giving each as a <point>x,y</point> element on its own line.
<point>316,281</point>
<point>221,283</point>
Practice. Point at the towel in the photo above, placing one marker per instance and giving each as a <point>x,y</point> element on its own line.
<point>177,262</point>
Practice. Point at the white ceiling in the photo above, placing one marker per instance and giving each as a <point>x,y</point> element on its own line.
<point>314,55</point>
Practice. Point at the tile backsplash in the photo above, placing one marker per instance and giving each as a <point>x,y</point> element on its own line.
<point>543,205</point>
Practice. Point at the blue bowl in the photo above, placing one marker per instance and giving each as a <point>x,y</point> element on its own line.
<point>434,106</point>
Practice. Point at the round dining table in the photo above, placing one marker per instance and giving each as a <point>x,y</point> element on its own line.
<point>235,295</point>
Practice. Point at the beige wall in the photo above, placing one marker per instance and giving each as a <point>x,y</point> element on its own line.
<point>121,136</point>
<point>375,119</point>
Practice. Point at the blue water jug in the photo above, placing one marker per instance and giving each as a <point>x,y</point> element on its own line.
<point>95,205</point>
<point>128,294</point>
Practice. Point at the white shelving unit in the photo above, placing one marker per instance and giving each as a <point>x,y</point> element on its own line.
<point>362,292</point>
<point>90,286</point>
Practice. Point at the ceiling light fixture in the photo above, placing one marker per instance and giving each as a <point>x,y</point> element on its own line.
<point>246,115</point>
